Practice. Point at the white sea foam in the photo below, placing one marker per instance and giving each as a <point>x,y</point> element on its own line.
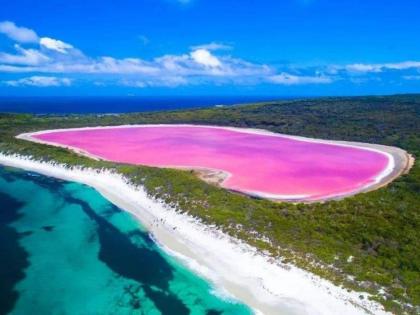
<point>234,267</point>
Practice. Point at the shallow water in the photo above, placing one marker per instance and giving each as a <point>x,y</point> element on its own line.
<point>66,250</point>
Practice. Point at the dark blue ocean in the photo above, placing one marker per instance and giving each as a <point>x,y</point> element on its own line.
<point>86,105</point>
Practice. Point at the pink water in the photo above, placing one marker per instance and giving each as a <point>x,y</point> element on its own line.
<point>261,164</point>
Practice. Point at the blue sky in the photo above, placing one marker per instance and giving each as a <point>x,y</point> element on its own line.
<point>203,47</point>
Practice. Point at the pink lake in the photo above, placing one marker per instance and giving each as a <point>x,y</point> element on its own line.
<point>267,165</point>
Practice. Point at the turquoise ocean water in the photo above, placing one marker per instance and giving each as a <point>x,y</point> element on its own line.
<point>64,249</point>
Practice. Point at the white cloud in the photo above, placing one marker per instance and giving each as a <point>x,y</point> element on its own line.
<point>55,44</point>
<point>290,79</point>
<point>212,46</point>
<point>360,67</point>
<point>17,69</point>
<point>112,65</point>
<point>402,65</point>
<point>169,70</point>
<point>205,58</point>
<point>206,66</point>
<point>24,57</point>
<point>379,67</point>
<point>174,63</point>
<point>40,81</point>
<point>207,63</point>
<point>200,65</point>
<point>19,34</point>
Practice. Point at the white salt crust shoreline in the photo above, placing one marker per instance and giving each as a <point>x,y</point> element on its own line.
<point>235,268</point>
<point>397,158</point>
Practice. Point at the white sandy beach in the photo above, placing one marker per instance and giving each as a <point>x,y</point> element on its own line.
<point>235,268</point>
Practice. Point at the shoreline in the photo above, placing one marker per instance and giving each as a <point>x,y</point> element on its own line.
<point>265,285</point>
<point>399,161</point>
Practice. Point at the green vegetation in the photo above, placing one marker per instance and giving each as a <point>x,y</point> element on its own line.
<point>380,229</point>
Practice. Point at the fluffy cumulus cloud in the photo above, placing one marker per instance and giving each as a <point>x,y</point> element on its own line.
<point>55,44</point>
<point>210,63</point>
<point>205,58</point>
<point>19,34</point>
<point>199,65</point>
<point>39,81</point>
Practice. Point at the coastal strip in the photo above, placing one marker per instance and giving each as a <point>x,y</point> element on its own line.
<point>399,161</point>
<point>236,269</point>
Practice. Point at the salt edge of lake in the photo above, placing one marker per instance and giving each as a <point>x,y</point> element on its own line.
<point>399,161</point>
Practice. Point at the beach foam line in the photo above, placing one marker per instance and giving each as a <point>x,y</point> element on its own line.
<point>390,172</point>
<point>266,285</point>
